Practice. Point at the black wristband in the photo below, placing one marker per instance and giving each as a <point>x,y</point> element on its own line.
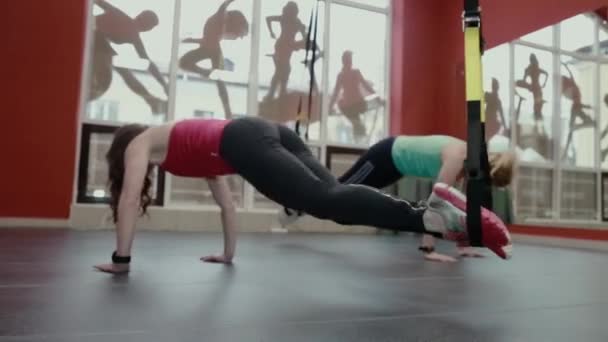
<point>120,259</point>
<point>426,249</point>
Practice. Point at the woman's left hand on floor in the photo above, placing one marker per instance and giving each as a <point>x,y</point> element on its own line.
<point>439,257</point>
<point>113,268</point>
<point>217,259</point>
<point>468,252</point>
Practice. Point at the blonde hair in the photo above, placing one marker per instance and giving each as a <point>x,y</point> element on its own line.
<point>502,167</point>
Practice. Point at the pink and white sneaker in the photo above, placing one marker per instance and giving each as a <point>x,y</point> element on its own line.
<point>495,235</point>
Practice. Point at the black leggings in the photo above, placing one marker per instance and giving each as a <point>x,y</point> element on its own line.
<point>375,168</point>
<point>278,164</point>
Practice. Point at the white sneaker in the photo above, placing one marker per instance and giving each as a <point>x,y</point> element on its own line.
<point>495,235</point>
<point>446,219</point>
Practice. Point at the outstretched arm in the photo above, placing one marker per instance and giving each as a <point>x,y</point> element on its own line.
<point>365,83</point>
<point>136,168</point>
<point>526,74</point>
<point>106,6</point>
<point>546,74</point>
<point>568,69</point>
<point>223,7</point>
<point>501,114</point>
<point>452,173</point>
<point>223,197</point>
<point>452,166</point>
<point>336,93</point>
<point>152,68</point>
<point>302,29</point>
<point>269,21</point>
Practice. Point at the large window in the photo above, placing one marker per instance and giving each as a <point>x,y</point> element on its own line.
<point>534,92</point>
<point>93,185</point>
<point>577,120</point>
<point>356,77</point>
<point>285,87</point>
<point>130,59</point>
<point>603,122</point>
<point>213,73</point>
<point>550,88</point>
<point>577,34</point>
<point>496,79</point>
<point>157,61</point>
<point>543,36</point>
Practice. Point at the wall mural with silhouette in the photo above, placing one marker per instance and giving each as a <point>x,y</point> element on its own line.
<point>603,140</point>
<point>222,25</point>
<point>577,115</point>
<point>357,77</point>
<point>535,134</point>
<point>542,98</point>
<point>532,118</point>
<point>138,49</point>
<point>290,45</point>
<point>352,95</point>
<point>126,40</point>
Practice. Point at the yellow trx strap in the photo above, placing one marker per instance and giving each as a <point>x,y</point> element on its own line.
<point>473,67</point>
<point>479,190</point>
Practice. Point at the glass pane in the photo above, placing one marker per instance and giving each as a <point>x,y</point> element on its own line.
<point>341,162</point>
<point>604,191</point>
<point>534,193</point>
<point>357,76</point>
<point>604,38</point>
<point>534,103</point>
<point>97,172</point>
<point>374,3</point>
<point>604,115</point>
<point>284,76</point>
<point>496,82</point>
<point>130,60</point>
<point>214,54</point>
<point>261,201</point>
<point>543,36</point>
<point>579,195</point>
<point>578,34</point>
<point>97,185</point>
<point>578,116</point>
<point>195,191</point>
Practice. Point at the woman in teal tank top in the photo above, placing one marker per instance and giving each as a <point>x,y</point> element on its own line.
<point>439,157</point>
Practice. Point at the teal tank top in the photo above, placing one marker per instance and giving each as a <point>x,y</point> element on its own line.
<point>420,156</point>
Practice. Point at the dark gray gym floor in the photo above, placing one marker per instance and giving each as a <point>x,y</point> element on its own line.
<point>293,288</point>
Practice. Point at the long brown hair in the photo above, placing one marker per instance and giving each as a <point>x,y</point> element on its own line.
<point>502,168</point>
<point>116,168</point>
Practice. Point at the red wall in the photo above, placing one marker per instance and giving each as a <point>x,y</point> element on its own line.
<point>413,60</point>
<point>42,60</point>
<point>430,97</point>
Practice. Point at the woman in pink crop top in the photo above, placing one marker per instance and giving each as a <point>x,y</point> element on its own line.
<point>278,164</point>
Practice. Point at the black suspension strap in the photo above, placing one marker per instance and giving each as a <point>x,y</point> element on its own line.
<point>479,187</point>
<point>311,48</point>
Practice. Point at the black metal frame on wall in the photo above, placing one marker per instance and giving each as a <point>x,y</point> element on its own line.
<point>83,167</point>
<point>331,150</point>
<point>604,194</point>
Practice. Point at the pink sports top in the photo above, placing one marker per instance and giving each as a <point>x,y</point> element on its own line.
<point>194,149</point>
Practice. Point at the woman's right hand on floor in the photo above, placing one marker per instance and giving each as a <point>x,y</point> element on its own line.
<point>217,259</point>
<point>468,252</point>
<point>439,257</point>
<point>113,268</point>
